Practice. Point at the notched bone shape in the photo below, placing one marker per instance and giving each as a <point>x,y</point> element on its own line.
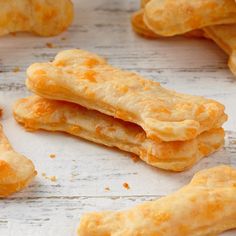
<point>171,17</point>
<point>40,113</point>
<point>225,37</point>
<point>45,18</point>
<point>16,171</point>
<point>86,79</point>
<point>206,206</point>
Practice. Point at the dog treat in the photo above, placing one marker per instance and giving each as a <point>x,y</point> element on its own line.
<point>225,37</point>
<point>171,17</point>
<point>140,28</point>
<point>204,207</point>
<point>45,18</point>
<point>86,79</point>
<point>16,171</point>
<point>40,113</point>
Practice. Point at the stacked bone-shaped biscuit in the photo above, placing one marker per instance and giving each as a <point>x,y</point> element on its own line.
<point>81,94</point>
<point>195,18</point>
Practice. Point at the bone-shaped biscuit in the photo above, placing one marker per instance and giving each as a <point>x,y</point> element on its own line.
<point>204,207</point>
<point>16,171</point>
<point>171,17</point>
<point>40,113</point>
<point>140,28</point>
<point>43,17</point>
<point>86,79</point>
<point>225,37</point>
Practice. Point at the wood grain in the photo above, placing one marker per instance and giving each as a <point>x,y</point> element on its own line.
<point>83,169</point>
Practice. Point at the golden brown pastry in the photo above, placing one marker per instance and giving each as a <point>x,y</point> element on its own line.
<point>205,207</point>
<point>40,113</point>
<point>43,17</point>
<point>84,78</point>
<point>16,171</point>
<point>140,28</point>
<point>144,3</point>
<point>171,17</point>
<point>225,37</point>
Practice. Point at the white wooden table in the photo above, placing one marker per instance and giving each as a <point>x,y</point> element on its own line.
<point>84,169</point>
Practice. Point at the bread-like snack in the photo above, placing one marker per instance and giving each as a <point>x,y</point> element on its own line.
<point>140,28</point>
<point>42,17</point>
<point>204,207</point>
<point>225,37</point>
<point>84,78</point>
<point>16,171</point>
<point>40,113</point>
<point>171,17</point>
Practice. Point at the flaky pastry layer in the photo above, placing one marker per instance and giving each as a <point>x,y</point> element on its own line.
<point>86,79</point>
<point>171,17</point>
<point>225,37</point>
<point>43,17</point>
<point>40,113</point>
<point>204,207</point>
<point>16,171</point>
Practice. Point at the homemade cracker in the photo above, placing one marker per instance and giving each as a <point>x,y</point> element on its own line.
<point>225,37</point>
<point>140,28</point>
<point>171,17</point>
<point>45,18</point>
<point>206,206</point>
<point>16,171</point>
<point>86,79</point>
<point>40,113</point>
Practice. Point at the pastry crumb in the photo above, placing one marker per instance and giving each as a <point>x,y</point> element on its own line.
<point>126,186</point>
<point>13,34</point>
<point>63,38</point>
<point>49,45</point>
<point>107,189</point>
<point>16,69</point>
<point>53,178</point>
<point>52,156</point>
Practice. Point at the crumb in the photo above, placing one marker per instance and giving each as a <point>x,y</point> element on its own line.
<point>135,158</point>
<point>63,39</point>
<point>53,178</point>
<point>13,34</point>
<point>107,189</point>
<point>126,185</point>
<point>16,69</point>
<point>49,45</point>
<point>234,142</point>
<point>52,156</point>
<point>74,174</point>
